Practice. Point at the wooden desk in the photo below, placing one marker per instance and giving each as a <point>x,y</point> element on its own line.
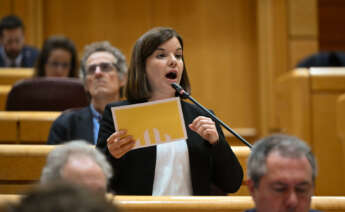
<point>198,203</point>
<point>306,108</point>
<point>4,90</point>
<point>8,76</point>
<point>341,125</point>
<point>25,127</point>
<point>21,166</point>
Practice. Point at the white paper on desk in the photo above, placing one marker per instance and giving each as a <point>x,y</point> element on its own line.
<point>151,123</point>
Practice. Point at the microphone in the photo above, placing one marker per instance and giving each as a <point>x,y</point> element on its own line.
<point>185,94</point>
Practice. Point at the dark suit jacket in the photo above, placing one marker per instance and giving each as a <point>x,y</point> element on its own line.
<point>323,59</point>
<point>29,57</point>
<point>70,125</point>
<point>209,164</point>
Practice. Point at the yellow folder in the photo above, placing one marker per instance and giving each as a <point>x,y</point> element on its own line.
<point>152,123</point>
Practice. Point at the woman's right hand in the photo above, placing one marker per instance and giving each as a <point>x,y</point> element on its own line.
<point>119,143</point>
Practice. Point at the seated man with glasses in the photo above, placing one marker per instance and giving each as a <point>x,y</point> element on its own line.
<point>281,174</point>
<point>104,72</point>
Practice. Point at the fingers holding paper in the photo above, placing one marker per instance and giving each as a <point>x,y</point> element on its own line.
<point>119,143</point>
<point>206,128</point>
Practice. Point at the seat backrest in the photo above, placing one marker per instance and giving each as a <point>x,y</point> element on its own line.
<point>46,94</point>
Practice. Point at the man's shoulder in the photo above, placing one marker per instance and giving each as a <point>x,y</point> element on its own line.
<point>73,113</point>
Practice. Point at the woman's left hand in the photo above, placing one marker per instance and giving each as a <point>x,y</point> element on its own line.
<point>206,128</point>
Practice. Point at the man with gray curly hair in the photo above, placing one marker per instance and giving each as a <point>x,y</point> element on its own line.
<point>104,72</point>
<point>77,162</point>
<point>281,174</point>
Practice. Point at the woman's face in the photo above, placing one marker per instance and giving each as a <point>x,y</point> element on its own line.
<point>58,63</point>
<point>164,67</point>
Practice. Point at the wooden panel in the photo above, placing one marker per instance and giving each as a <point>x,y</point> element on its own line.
<point>197,203</point>
<point>101,20</point>
<point>300,49</point>
<point>30,11</point>
<point>35,127</point>
<point>6,8</point>
<point>22,162</point>
<point>326,147</point>
<point>249,134</point>
<point>22,165</point>
<point>303,18</point>
<point>308,110</point>
<point>293,101</point>
<point>220,43</point>
<point>25,127</point>
<point>340,117</point>
<point>8,76</point>
<point>273,57</point>
<point>8,130</point>
<point>4,90</point>
<point>327,79</point>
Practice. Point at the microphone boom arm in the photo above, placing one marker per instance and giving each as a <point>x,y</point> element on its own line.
<point>183,93</point>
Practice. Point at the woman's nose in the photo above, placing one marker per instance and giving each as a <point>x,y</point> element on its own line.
<point>172,60</point>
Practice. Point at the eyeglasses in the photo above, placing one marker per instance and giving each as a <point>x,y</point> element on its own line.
<point>57,65</point>
<point>104,67</point>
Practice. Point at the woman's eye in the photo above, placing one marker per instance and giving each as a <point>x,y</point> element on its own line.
<point>178,56</point>
<point>160,55</point>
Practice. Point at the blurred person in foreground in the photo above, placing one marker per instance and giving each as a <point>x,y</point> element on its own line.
<point>281,174</point>
<point>80,163</point>
<point>62,197</point>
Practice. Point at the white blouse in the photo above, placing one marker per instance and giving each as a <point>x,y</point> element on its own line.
<point>172,173</point>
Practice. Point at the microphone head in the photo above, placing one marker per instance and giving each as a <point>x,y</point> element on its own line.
<point>177,87</point>
<point>179,90</point>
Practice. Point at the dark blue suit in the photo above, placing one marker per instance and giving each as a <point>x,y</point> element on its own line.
<point>30,55</point>
<point>71,125</point>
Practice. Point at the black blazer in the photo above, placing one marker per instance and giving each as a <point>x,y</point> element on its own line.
<point>209,164</point>
<point>71,125</point>
<point>30,55</point>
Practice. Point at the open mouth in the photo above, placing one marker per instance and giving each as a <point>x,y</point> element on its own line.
<point>171,75</point>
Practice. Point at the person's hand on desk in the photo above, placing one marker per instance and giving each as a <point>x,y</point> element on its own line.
<point>119,143</point>
<point>206,128</point>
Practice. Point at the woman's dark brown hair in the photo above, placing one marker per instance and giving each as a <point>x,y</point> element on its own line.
<point>138,87</point>
<point>52,43</point>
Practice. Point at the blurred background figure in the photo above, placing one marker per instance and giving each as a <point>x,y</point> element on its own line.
<point>323,59</point>
<point>58,58</point>
<point>63,198</point>
<point>79,163</point>
<point>104,71</point>
<point>13,51</point>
